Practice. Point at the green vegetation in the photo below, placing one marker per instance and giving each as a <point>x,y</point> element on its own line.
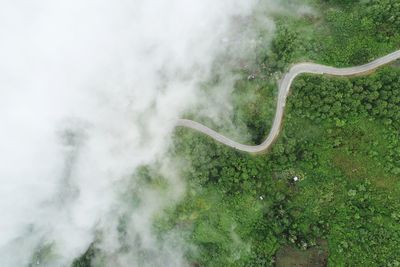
<point>254,102</point>
<point>87,258</point>
<point>341,137</point>
<point>339,33</point>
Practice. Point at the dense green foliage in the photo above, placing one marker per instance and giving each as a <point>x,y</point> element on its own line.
<point>347,157</point>
<point>254,103</point>
<point>341,137</point>
<point>336,34</point>
<point>86,259</point>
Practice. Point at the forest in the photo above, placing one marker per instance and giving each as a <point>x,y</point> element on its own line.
<point>342,142</point>
<point>340,139</point>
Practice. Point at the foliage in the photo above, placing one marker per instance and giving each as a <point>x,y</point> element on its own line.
<point>86,259</point>
<point>341,136</point>
<point>339,33</point>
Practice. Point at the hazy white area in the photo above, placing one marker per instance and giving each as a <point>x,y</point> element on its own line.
<point>89,90</point>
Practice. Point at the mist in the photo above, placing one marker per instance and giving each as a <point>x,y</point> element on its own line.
<point>89,91</point>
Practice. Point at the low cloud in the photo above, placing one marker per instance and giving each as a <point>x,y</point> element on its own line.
<point>89,91</point>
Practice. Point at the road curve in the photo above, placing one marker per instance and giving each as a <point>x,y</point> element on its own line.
<point>284,89</point>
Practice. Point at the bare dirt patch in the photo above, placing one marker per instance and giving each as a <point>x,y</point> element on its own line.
<point>317,256</point>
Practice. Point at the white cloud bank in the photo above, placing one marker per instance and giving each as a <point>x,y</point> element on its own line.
<point>88,92</point>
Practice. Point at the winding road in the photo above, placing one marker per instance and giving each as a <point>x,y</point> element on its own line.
<point>284,89</point>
